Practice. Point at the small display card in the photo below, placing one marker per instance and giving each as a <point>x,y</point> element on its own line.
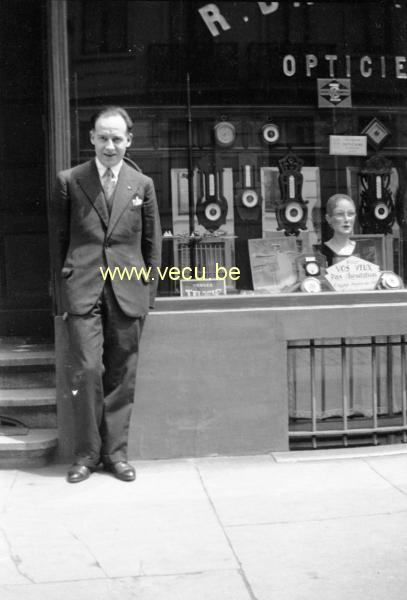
<point>353,275</point>
<point>192,288</point>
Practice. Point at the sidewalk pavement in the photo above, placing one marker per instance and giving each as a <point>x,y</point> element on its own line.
<point>328,525</point>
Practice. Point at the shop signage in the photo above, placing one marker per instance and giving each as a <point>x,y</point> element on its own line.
<point>348,145</point>
<point>353,275</point>
<point>217,22</point>
<point>219,19</point>
<point>333,93</point>
<point>345,65</point>
<point>192,288</point>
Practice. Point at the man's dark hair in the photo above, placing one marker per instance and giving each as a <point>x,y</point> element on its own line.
<point>112,110</point>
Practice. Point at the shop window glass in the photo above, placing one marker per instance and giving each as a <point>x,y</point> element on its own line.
<point>104,26</point>
<point>257,101</point>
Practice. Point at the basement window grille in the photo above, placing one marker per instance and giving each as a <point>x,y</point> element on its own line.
<point>347,391</point>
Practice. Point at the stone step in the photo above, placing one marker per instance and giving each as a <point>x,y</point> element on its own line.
<point>26,363</point>
<point>35,449</point>
<point>24,352</point>
<point>26,359</point>
<point>35,407</point>
<point>27,394</point>
<point>17,397</point>
<point>36,417</point>
<point>42,376</point>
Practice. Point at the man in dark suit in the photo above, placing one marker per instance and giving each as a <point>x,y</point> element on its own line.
<point>104,215</point>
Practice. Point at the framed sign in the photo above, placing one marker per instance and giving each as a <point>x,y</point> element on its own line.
<point>376,133</point>
<point>348,145</point>
<point>273,263</point>
<point>371,247</point>
<point>334,92</point>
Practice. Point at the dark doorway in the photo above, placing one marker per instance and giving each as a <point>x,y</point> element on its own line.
<point>25,304</point>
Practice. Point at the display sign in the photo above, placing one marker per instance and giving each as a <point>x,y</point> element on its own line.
<point>192,288</point>
<point>353,275</point>
<point>333,93</point>
<point>273,264</point>
<point>376,133</point>
<point>348,145</point>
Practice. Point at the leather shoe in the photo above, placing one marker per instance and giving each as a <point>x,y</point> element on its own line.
<point>122,470</point>
<point>78,473</point>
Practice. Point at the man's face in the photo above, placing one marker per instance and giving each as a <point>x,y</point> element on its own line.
<point>110,138</point>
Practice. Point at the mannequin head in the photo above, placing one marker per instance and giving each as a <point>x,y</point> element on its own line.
<point>341,214</point>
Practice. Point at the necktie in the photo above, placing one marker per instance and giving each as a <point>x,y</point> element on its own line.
<point>108,187</point>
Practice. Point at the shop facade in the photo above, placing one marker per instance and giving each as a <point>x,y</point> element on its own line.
<point>248,116</point>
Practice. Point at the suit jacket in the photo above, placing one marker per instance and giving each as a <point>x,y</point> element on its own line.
<point>86,239</point>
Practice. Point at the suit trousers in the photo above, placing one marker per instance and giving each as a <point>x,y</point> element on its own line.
<point>104,347</point>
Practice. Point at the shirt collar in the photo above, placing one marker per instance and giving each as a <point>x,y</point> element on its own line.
<point>102,169</point>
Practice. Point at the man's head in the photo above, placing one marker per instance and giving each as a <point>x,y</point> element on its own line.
<point>110,134</point>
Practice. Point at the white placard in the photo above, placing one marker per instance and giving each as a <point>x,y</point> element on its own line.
<point>353,275</point>
<point>348,145</point>
<point>192,288</point>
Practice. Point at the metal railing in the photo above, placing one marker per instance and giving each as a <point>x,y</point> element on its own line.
<point>347,390</point>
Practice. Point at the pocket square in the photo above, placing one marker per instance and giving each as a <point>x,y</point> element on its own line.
<point>137,201</point>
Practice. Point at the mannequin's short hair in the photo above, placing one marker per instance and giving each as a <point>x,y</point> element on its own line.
<point>333,201</point>
<point>110,110</point>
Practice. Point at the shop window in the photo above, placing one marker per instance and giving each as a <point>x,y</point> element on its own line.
<point>169,63</point>
<point>255,97</point>
<point>104,26</point>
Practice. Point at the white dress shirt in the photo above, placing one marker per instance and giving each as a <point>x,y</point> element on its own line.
<point>102,170</point>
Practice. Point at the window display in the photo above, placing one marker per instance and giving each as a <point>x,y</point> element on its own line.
<point>249,116</point>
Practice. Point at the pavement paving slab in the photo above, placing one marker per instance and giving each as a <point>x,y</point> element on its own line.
<point>219,528</point>
<point>44,549</point>
<point>9,572</point>
<point>362,557</point>
<point>273,492</point>
<point>392,468</point>
<point>161,524</point>
<point>7,479</point>
<point>214,585</point>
